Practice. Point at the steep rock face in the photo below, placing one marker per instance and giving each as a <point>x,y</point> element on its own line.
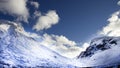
<point>19,49</point>
<point>100,44</point>
<point>102,52</point>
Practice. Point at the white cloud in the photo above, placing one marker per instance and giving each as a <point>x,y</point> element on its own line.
<point>35,4</point>
<point>62,45</point>
<point>113,28</point>
<point>46,21</point>
<point>118,3</point>
<point>15,8</point>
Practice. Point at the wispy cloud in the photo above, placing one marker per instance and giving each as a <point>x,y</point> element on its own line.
<point>35,4</point>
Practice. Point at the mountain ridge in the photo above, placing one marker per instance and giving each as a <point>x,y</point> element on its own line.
<point>20,50</point>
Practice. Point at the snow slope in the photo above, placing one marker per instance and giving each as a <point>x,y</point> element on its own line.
<point>21,49</point>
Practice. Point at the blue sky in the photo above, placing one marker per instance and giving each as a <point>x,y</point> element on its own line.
<point>79,19</point>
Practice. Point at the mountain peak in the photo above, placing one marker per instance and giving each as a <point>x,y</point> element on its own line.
<point>99,44</point>
<point>102,52</point>
<point>8,26</point>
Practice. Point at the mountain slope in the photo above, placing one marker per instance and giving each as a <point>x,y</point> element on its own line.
<point>19,49</point>
<point>104,51</point>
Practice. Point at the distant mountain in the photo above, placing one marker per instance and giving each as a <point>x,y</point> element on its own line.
<point>19,49</point>
<point>103,52</point>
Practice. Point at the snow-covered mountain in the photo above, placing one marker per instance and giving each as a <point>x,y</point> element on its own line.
<point>102,52</point>
<point>21,49</point>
